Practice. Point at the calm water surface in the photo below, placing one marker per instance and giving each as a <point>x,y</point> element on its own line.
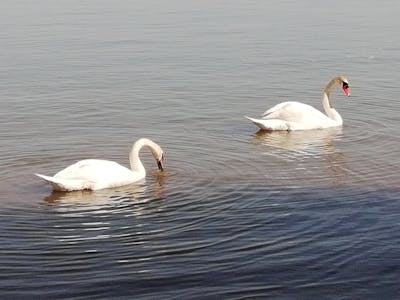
<point>238,213</point>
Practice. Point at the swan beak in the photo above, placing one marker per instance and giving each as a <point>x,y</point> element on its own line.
<point>346,90</point>
<point>160,163</point>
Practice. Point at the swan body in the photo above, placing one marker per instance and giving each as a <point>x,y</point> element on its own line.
<point>96,174</point>
<point>299,116</point>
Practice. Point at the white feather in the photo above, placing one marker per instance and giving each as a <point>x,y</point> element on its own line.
<point>299,116</point>
<point>96,174</point>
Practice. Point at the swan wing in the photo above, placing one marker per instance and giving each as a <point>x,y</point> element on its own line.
<point>91,169</point>
<point>295,112</point>
<point>96,174</point>
<point>66,184</point>
<point>270,124</point>
<point>275,109</point>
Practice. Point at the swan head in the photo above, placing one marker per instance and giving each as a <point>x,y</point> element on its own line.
<point>344,82</point>
<point>158,155</point>
<point>160,163</point>
<point>156,151</point>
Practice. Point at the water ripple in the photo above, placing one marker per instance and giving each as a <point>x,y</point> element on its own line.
<point>236,214</point>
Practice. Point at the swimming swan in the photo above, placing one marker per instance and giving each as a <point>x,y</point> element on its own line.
<point>96,174</point>
<point>300,116</point>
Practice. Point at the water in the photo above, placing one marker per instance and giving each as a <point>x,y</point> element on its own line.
<point>238,213</point>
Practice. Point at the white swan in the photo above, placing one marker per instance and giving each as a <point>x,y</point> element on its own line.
<point>300,116</point>
<point>96,174</point>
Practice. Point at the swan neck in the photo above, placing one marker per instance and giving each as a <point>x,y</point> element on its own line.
<point>331,84</point>
<point>329,110</point>
<point>134,159</point>
<point>326,102</point>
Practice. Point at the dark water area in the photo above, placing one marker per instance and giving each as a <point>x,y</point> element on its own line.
<point>237,213</point>
<point>252,242</point>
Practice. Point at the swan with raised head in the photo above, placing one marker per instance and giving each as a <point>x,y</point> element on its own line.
<point>96,174</point>
<point>299,116</point>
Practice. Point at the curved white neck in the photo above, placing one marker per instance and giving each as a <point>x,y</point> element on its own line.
<point>329,110</point>
<point>136,164</point>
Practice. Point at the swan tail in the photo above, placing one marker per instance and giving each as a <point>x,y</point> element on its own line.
<point>270,124</point>
<point>63,184</point>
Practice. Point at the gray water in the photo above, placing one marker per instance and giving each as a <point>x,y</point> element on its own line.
<point>237,213</point>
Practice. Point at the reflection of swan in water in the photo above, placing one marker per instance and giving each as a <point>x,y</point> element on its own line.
<point>301,142</point>
<point>310,151</point>
<point>99,215</point>
<point>129,201</point>
<point>86,200</point>
<point>99,198</point>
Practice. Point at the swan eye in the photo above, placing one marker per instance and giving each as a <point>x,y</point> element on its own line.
<point>345,85</point>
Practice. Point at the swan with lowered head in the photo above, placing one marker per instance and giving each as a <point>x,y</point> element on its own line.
<point>299,116</point>
<point>96,174</point>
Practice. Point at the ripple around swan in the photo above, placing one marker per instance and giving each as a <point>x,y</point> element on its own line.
<point>361,153</point>
<point>300,157</point>
<point>372,155</point>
